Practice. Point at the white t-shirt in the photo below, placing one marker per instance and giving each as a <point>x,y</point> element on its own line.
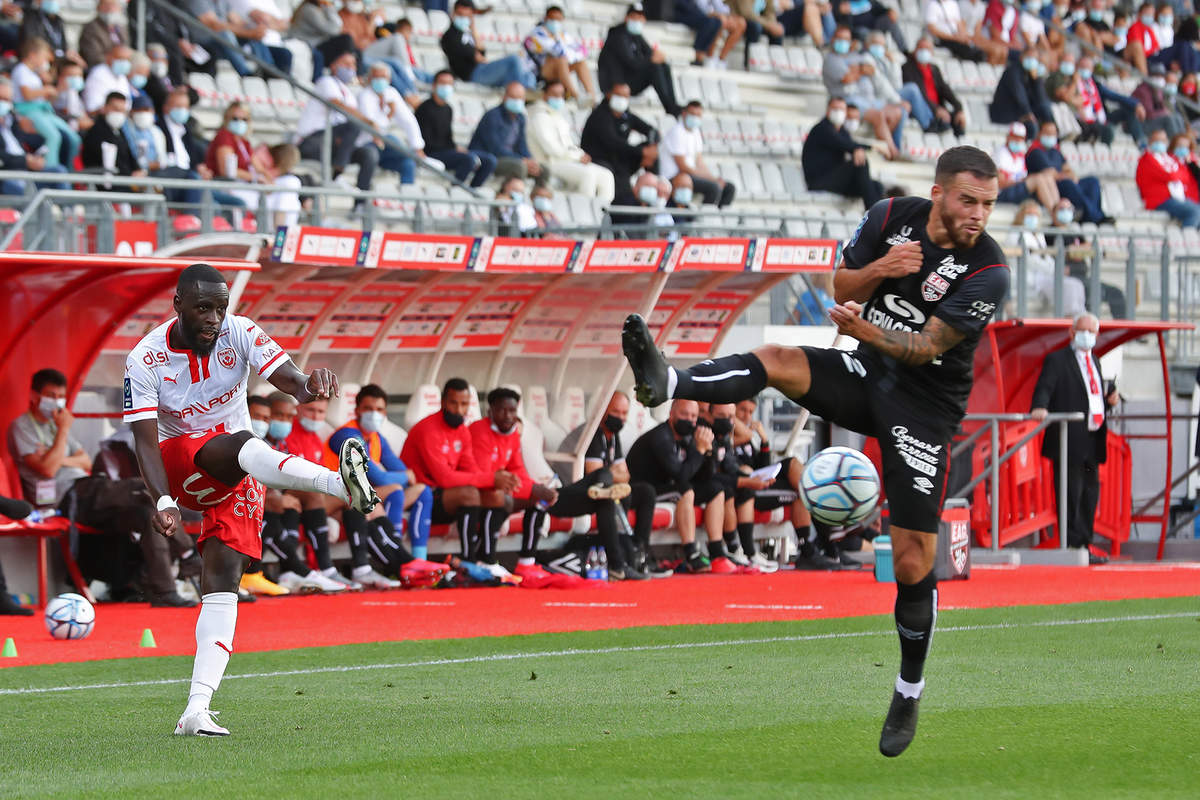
<point>1011,165</point>
<point>1032,27</point>
<point>22,77</point>
<point>244,8</point>
<point>313,117</point>
<point>100,83</point>
<point>188,394</point>
<point>287,203</point>
<point>972,13</point>
<point>943,15</point>
<point>401,121</point>
<point>679,141</point>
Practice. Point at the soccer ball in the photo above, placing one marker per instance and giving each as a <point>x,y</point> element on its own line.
<point>70,616</point>
<point>839,486</point>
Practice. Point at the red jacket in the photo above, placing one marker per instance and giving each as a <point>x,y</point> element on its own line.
<point>442,457</point>
<point>1146,35</point>
<point>1154,173</point>
<point>495,451</point>
<point>306,444</point>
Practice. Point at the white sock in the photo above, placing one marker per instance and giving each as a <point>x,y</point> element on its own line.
<point>214,644</point>
<point>281,471</point>
<point>672,382</point>
<point>525,562</point>
<point>910,690</point>
<point>363,571</point>
<point>331,572</point>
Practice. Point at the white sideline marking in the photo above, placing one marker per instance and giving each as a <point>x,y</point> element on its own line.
<point>644,648</point>
<point>408,603</point>
<point>565,604</point>
<point>775,607</point>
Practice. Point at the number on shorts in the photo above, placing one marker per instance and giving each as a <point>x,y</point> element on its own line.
<point>853,365</point>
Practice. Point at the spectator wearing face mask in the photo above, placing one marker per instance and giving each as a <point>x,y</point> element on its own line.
<point>105,148</point>
<point>501,132</point>
<point>1040,264</point>
<point>31,99</point>
<point>49,458</point>
<point>148,147</point>
<point>1166,184</point>
<point>111,76</point>
<point>834,162</point>
<point>1016,184</point>
<point>627,58</point>
<point>18,147</point>
<point>682,151</point>
<point>552,142</point>
<point>68,103</point>
<point>1095,30</point>
<point>516,217</point>
<point>1101,108</point>
<point>318,24</point>
<point>543,211</point>
<point>925,77</point>
<point>382,105</point>
<point>103,33</point>
<point>468,61</point>
<point>396,51</point>
<point>559,54</point>
<point>864,16</point>
<point>1142,38</point>
<point>852,76</point>
<point>1151,96</point>
<point>606,139</point>
<point>1084,193</point>
<point>231,156</point>
<point>42,21</point>
<point>1079,254</point>
<point>349,142</point>
<point>435,118</point>
<point>1020,95</point>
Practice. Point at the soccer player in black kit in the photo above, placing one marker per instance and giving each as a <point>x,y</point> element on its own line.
<point>918,282</point>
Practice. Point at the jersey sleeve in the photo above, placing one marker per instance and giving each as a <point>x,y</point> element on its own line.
<point>255,345</point>
<point>970,308</point>
<point>140,394</point>
<point>863,245</point>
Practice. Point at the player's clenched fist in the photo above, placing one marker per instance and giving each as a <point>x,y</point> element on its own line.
<point>166,521</point>
<point>848,318</point>
<point>903,259</point>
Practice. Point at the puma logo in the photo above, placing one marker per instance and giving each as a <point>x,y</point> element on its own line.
<point>224,647</point>
<point>172,380</point>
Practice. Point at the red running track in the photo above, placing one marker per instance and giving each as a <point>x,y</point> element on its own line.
<point>315,621</point>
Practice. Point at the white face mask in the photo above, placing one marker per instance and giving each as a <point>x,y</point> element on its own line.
<point>371,421</point>
<point>837,117</point>
<point>619,103</point>
<point>852,126</point>
<point>48,405</point>
<point>1084,341</point>
<point>115,119</point>
<point>259,427</point>
<point>143,119</point>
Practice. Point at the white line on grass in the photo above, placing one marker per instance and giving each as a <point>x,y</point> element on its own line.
<point>643,648</point>
<point>564,604</point>
<point>772,607</point>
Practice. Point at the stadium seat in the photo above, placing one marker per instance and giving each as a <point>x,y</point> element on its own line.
<point>426,399</point>
<point>570,410</point>
<point>473,411</point>
<point>539,413</point>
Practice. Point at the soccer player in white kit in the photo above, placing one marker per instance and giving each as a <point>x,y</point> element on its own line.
<point>185,398</point>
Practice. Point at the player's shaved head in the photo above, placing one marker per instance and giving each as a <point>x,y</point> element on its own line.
<point>197,274</point>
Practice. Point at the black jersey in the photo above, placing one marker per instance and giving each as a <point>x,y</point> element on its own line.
<point>961,287</point>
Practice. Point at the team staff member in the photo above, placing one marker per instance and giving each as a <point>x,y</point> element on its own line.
<point>440,454</point>
<point>930,278</point>
<point>670,457</point>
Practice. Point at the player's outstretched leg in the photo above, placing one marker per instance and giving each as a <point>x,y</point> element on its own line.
<point>728,379</point>
<point>916,613</point>
<point>284,472</point>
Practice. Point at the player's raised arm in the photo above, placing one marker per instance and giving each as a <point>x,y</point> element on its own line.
<point>320,384</point>
<point>154,473</point>
<point>859,284</point>
<point>907,347</point>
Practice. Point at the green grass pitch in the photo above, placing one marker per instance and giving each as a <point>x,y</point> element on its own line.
<point>1016,707</point>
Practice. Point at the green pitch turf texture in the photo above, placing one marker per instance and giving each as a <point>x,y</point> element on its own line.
<point>1017,706</point>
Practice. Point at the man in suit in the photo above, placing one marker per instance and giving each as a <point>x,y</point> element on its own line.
<point>1071,381</point>
<point>920,71</point>
<point>833,161</point>
<point>103,33</point>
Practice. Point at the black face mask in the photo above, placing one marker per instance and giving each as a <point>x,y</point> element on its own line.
<point>684,427</point>
<point>722,426</point>
<point>613,424</point>
<point>453,420</point>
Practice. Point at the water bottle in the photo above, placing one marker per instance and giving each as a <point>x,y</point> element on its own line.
<point>884,573</point>
<point>602,566</point>
<point>41,515</point>
<point>591,567</point>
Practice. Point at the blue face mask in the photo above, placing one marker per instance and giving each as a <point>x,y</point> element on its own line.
<point>75,83</point>
<point>137,81</point>
<point>345,74</point>
<point>371,421</point>
<point>238,127</point>
<point>1147,20</point>
<point>1048,142</point>
<point>278,430</point>
<point>760,6</point>
<point>260,428</point>
<point>310,425</point>
<point>517,197</point>
<point>1158,147</point>
<point>121,66</point>
<point>1182,153</point>
<point>463,23</point>
<point>635,27</point>
<point>1096,14</point>
<point>556,103</point>
<point>543,204</point>
<point>514,105</point>
<point>444,91</point>
<point>179,116</point>
<point>378,85</point>
<point>878,50</point>
<point>1067,68</point>
<point>1166,22</point>
<point>841,46</point>
<point>1016,147</point>
<point>683,195</point>
<point>1120,31</point>
<point>554,26</point>
<point>50,7</point>
<point>1030,64</point>
<point>691,122</point>
<point>648,195</point>
<point>1065,216</point>
<point>860,7</point>
<point>5,108</point>
<point>1031,222</point>
<point>1085,74</point>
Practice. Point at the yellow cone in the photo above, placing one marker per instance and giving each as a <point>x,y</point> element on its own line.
<point>148,638</point>
<point>10,649</point>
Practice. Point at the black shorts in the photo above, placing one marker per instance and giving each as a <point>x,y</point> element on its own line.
<point>703,490</point>
<point>915,442</point>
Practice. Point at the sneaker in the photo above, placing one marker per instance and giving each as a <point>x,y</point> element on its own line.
<point>723,566</point>
<point>420,573</point>
<point>10,607</point>
<point>314,581</point>
<point>648,363</point>
<point>848,561</point>
<point>352,466</point>
<point>350,584</point>
<point>739,557</point>
<point>627,573</point>
<point>818,562</point>
<point>694,564</point>
<point>900,726</point>
<point>618,491</point>
<point>656,570</point>
<point>764,564</point>
<point>257,583</point>
<point>533,576</point>
<point>170,600</point>
<point>245,596</point>
<point>370,579</point>
<point>496,570</point>
<point>199,723</point>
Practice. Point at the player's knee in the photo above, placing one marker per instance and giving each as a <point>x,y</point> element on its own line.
<point>687,499</point>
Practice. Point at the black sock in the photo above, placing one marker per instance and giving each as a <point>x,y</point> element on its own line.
<point>732,544</point>
<point>291,522</point>
<point>254,566</point>
<point>716,549</point>
<point>283,546</point>
<point>916,612</point>
<point>15,509</point>
<point>804,540</point>
<point>530,525</point>
<point>729,379</point>
<point>824,543</point>
<point>316,529</point>
<point>467,518</point>
<point>745,532</point>
<point>386,546</point>
<point>355,525</point>
<point>690,549</point>
<point>489,532</point>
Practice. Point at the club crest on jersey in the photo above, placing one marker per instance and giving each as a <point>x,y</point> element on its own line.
<point>227,358</point>
<point>901,236</point>
<point>934,287</point>
<point>262,339</point>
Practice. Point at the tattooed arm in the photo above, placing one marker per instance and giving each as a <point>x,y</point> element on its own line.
<point>913,349</point>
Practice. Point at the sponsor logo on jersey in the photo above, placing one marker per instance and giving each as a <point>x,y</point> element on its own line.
<point>227,358</point>
<point>901,236</point>
<point>981,309</point>
<point>919,455</point>
<point>457,446</point>
<point>153,358</point>
<point>261,339</point>
<point>934,287</point>
<point>896,314</point>
<point>202,407</point>
<point>923,485</point>
<point>949,269</point>
<point>128,399</point>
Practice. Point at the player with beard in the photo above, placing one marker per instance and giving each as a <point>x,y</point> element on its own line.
<point>918,282</point>
<point>185,398</point>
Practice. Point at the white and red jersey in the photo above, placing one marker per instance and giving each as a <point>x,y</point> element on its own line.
<point>190,394</point>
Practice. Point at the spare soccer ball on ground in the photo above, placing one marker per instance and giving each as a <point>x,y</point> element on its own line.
<point>839,486</point>
<point>70,616</point>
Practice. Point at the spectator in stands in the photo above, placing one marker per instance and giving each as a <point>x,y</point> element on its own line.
<point>1007,25</point>
<point>944,22</point>
<point>285,206</point>
<point>851,76</point>
<point>111,76</point>
<point>1016,183</point>
<point>1071,380</point>
<point>501,132</point>
<point>834,162</point>
<point>396,51</point>
<point>1021,94</point>
<point>553,143</point>
<point>31,99</point>
<point>627,58</point>
<point>1141,39</point>
<point>1171,93</point>
<point>15,510</point>
<point>671,457</point>
<point>1079,255</point>
<point>383,107</point>
<point>1095,30</point>
<point>142,137</point>
<point>557,54</point>
<point>42,21</point>
<point>606,140</point>
<point>49,459</point>
<point>1084,193</point>
<point>1040,259</point>
<point>230,155</point>
<point>543,211</point>
<point>1164,182</point>
<point>761,17</point>
<point>68,103</point>
<point>256,24</point>
<point>220,32</point>
<point>160,84</point>
<point>682,193</point>
<point>183,145</point>
<point>1095,96</point>
<point>708,19</point>
<point>337,89</point>
<point>435,118</point>
<point>864,16</point>
<point>317,24</point>
<point>175,37</point>
<point>19,147</point>
<point>925,77</point>
<point>890,83</point>
<point>105,148</point>
<point>1182,149</point>
<point>1151,96</point>
<point>468,61</point>
<point>139,76</point>
<point>1189,89</point>
<point>102,33</point>
<point>682,151</point>
<point>517,217</point>
<point>10,26</point>
<point>359,23</point>
<point>440,453</point>
<point>814,17</point>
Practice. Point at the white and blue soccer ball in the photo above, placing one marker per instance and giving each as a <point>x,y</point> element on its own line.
<point>70,616</point>
<point>840,486</point>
